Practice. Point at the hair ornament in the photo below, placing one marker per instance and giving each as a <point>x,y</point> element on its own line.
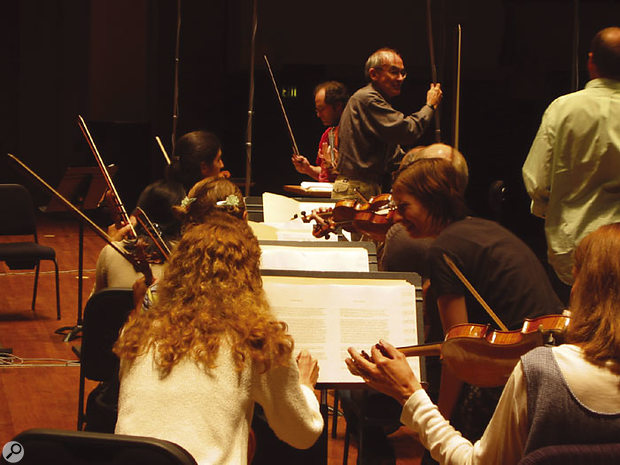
<point>187,201</point>
<point>231,201</point>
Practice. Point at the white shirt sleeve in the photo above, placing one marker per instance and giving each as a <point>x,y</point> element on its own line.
<point>501,443</point>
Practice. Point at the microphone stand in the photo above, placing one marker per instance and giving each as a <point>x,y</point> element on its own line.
<point>248,143</point>
<point>175,98</point>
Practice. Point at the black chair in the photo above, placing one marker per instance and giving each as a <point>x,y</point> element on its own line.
<point>84,447</point>
<point>17,219</point>
<point>370,417</point>
<point>574,454</point>
<point>104,316</point>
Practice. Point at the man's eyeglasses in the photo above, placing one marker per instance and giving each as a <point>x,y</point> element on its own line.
<point>394,71</point>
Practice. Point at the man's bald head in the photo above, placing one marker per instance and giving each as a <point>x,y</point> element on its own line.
<point>605,54</point>
<point>443,151</point>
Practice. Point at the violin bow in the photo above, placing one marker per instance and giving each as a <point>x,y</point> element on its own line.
<point>288,125</point>
<point>474,292</point>
<point>118,205</point>
<point>150,229</point>
<point>431,52</point>
<point>139,264</point>
<point>457,93</point>
<point>163,150</point>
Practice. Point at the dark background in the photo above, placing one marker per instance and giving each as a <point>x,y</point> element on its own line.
<point>112,61</point>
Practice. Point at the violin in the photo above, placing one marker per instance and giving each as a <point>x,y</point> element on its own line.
<point>372,218</point>
<point>485,357</point>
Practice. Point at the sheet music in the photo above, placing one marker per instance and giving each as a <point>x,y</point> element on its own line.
<point>317,186</point>
<point>326,316</point>
<point>281,209</point>
<point>275,257</point>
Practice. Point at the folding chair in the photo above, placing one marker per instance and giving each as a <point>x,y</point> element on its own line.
<point>17,219</point>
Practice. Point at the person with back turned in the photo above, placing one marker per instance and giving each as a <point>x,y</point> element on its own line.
<point>571,171</point>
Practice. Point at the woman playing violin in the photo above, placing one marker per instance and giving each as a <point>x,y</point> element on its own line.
<point>193,366</point>
<point>507,274</point>
<point>562,395</point>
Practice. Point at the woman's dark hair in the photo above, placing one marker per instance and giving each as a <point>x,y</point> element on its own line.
<point>436,185</point>
<point>190,151</point>
<point>157,200</point>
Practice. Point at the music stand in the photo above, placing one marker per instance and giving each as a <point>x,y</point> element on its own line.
<point>84,187</point>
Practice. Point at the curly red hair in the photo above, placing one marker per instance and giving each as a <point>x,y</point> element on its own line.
<point>211,293</point>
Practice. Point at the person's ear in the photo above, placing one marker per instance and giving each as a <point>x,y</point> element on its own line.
<point>373,73</point>
<point>204,169</point>
<point>592,68</point>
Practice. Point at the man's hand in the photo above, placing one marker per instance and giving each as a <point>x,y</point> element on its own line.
<point>301,163</point>
<point>385,370</point>
<point>308,368</point>
<point>434,95</point>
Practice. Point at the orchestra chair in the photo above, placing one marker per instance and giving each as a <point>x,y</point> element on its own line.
<point>86,447</point>
<point>104,316</point>
<point>359,412</point>
<point>574,454</point>
<point>17,219</point>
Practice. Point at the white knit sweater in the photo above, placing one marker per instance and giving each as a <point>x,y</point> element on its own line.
<point>208,412</point>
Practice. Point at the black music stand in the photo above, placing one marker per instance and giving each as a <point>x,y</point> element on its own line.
<point>84,187</point>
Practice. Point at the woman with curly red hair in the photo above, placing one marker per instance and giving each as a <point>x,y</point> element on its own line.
<point>193,366</point>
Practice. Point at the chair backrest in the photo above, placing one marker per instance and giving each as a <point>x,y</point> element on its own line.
<point>16,210</point>
<point>104,316</point>
<point>85,447</point>
<point>574,454</point>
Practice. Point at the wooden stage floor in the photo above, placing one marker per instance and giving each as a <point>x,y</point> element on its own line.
<point>41,389</point>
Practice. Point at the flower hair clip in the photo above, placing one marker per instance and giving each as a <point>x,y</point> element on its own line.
<point>231,201</point>
<point>187,201</point>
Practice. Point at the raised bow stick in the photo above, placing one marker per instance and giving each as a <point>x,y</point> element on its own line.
<point>119,208</point>
<point>163,150</point>
<point>431,52</point>
<point>474,292</point>
<point>457,93</point>
<point>139,263</point>
<point>288,125</point>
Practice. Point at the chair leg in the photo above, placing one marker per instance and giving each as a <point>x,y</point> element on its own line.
<point>345,455</point>
<point>81,413</point>
<point>36,282</point>
<point>335,413</point>
<point>57,293</point>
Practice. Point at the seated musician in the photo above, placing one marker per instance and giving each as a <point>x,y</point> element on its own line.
<point>197,155</point>
<point>500,267</point>
<point>112,269</point>
<point>568,394</point>
<point>329,99</point>
<point>194,365</point>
